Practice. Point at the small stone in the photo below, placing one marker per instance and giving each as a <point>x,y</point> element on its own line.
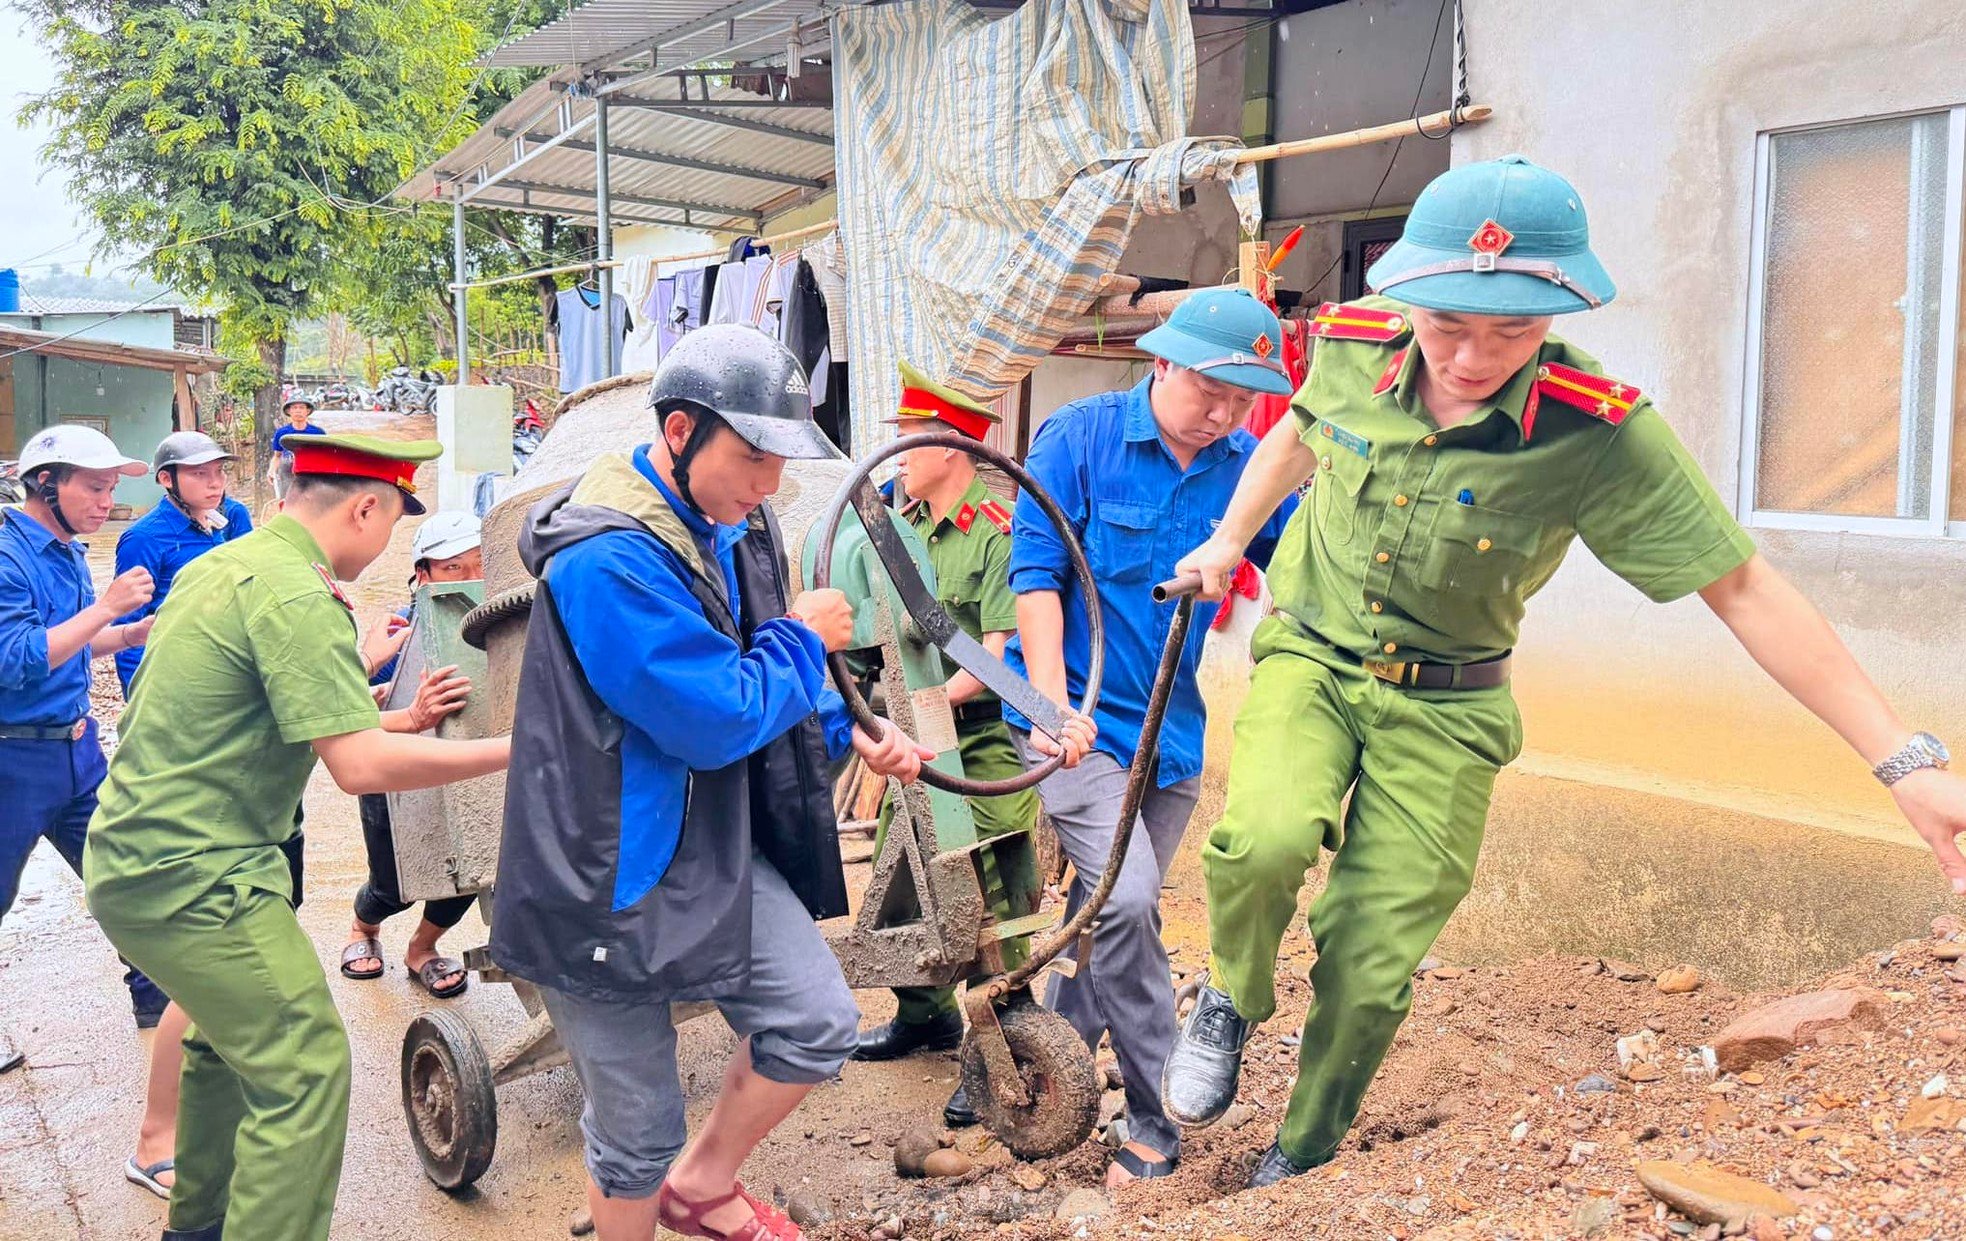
<point>1080,1205</point>
<point>1775,1030</point>
<point>1934,1088</point>
<point>1823,1233</point>
<point>1752,1078</point>
<point>1594,1217</point>
<point>1028,1178</point>
<point>1597,1083</point>
<point>806,1212</point>
<point>1116,1133</point>
<point>1644,1071</point>
<point>1945,926</point>
<point>1940,1114</point>
<point>1517,1134</point>
<point>1950,951</point>
<point>1624,971</point>
<point>1427,965</point>
<point>911,1152</point>
<point>864,1138</point>
<point>1679,980</point>
<point>1448,973</point>
<point>1764,1228</point>
<point>1238,1115</point>
<point>1580,1153</point>
<point>1113,1079</point>
<point>1802,1176</point>
<point>947,1163</point>
<point>582,1223</point>
<point>1710,1233</point>
<point>1645,1133</point>
<point>1704,1193</point>
<point>1419,1205</point>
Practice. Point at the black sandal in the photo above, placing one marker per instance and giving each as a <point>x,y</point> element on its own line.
<point>1143,1170</point>
<point>369,949</point>
<point>428,974</point>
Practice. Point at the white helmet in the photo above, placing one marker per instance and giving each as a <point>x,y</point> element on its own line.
<point>444,535</point>
<point>85,448</point>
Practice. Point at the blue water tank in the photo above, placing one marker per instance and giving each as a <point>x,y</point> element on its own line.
<point>9,290</point>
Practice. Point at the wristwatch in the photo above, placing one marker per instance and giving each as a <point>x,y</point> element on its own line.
<point>1922,751</point>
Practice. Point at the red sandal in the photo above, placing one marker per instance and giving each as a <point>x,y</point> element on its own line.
<point>685,1218</point>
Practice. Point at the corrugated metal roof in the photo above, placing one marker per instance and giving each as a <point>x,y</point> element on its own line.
<point>605,32</point>
<point>696,164</point>
<point>32,304</point>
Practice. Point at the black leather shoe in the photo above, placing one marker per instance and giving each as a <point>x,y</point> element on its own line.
<point>210,1232</point>
<point>898,1038</point>
<point>1199,1082</point>
<point>957,1113</point>
<point>1274,1166</point>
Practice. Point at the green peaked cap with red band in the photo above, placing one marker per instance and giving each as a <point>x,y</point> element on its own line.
<point>923,398</point>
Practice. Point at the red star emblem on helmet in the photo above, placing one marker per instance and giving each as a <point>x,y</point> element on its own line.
<point>1490,238</point>
<point>1262,347</point>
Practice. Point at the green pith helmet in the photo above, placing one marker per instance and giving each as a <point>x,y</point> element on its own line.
<point>1502,237</point>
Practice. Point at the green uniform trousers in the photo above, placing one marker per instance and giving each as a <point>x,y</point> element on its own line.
<point>1420,766</point>
<point>263,1113</point>
<point>987,755</point>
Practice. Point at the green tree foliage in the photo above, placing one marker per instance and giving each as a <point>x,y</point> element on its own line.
<point>241,148</point>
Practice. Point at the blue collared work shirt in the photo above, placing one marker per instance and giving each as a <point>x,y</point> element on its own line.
<point>1136,512</point>
<point>163,541</point>
<point>691,699</point>
<point>43,582</point>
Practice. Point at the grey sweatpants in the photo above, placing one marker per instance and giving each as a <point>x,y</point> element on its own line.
<point>1126,993</point>
<point>797,1012</point>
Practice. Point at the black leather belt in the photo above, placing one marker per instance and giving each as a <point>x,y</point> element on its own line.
<point>45,732</point>
<point>1418,674</point>
<point>980,712</point>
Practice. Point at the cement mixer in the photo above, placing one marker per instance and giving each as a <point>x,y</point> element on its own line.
<point>941,906</point>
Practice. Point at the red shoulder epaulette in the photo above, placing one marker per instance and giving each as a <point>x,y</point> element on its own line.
<point>1351,322</point>
<point>334,587</point>
<point>1597,395</point>
<point>999,515</point>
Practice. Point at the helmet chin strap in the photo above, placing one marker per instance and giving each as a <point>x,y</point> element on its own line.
<point>49,493</point>
<point>699,435</point>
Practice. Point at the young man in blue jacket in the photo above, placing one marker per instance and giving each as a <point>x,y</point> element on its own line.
<point>669,832</point>
<point>194,516</point>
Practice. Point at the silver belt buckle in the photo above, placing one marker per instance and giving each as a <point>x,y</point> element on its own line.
<point>81,726</point>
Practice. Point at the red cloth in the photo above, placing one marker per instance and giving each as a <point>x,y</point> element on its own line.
<point>1270,410</point>
<point>1245,582</point>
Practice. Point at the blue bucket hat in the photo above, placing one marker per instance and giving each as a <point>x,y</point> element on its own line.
<point>1225,334</point>
<point>1502,237</point>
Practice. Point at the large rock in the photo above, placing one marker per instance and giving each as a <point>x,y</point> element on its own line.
<point>1774,1030</point>
<point>1706,1195</point>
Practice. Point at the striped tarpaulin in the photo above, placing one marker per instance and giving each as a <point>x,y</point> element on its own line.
<point>991,171</point>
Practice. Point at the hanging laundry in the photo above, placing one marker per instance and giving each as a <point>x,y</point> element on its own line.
<point>739,296</point>
<point>642,351</point>
<point>584,336</point>
<point>804,328</point>
<point>828,259</point>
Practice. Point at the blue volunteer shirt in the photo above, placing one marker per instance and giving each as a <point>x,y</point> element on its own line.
<point>690,697</point>
<point>281,433</point>
<point>387,673</point>
<point>1136,512</point>
<point>43,582</point>
<point>163,541</point>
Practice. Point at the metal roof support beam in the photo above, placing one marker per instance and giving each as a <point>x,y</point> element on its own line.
<point>700,165</point>
<point>653,45</point>
<point>779,37</point>
<point>604,236</point>
<point>699,112</point>
<point>527,149</point>
<point>668,204</point>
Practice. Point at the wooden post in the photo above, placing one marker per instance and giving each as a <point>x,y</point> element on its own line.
<point>187,408</point>
<point>1252,270</point>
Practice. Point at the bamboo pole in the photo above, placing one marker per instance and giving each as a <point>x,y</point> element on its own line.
<point>1435,125</point>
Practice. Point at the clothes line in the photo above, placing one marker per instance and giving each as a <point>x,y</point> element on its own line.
<point>1433,125</point>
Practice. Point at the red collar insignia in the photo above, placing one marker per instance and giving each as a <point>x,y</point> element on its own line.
<point>334,587</point>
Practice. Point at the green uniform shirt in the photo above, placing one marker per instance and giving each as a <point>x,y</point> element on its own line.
<point>970,551</point>
<point>1422,543</point>
<point>253,657</point>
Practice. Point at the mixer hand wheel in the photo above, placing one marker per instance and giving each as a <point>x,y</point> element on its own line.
<point>936,623</point>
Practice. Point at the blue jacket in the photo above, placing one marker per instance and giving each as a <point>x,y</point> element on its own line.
<point>43,582</point>
<point>669,721</point>
<point>164,541</point>
<point>1136,512</point>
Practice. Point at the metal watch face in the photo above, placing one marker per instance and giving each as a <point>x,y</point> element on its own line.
<point>1936,748</point>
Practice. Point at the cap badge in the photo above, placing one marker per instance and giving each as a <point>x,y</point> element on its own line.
<point>1262,346</point>
<point>1489,241</point>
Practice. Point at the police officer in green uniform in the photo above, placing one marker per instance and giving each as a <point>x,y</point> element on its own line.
<point>244,686</point>
<point>1457,449</point>
<point>967,533</point>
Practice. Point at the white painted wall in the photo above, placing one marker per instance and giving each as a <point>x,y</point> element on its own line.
<point>1652,111</point>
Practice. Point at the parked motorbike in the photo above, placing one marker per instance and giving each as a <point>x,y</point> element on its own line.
<point>12,490</point>
<point>527,430</point>
<point>408,392</point>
